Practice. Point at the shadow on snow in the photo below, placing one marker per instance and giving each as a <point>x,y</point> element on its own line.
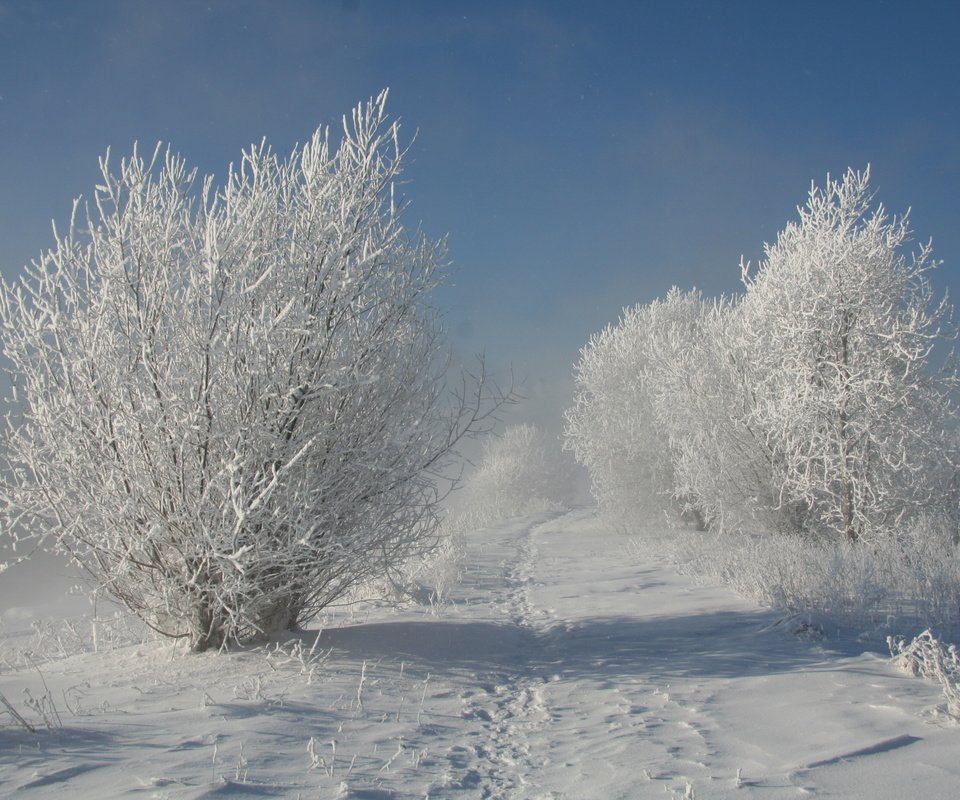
<point>721,644</point>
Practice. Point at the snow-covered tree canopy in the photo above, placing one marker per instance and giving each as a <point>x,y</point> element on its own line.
<point>230,402</point>
<point>841,325</point>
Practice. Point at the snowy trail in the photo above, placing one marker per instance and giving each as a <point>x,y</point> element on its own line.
<point>655,685</point>
<point>564,669</point>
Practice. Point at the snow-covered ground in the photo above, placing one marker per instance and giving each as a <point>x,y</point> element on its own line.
<point>563,669</point>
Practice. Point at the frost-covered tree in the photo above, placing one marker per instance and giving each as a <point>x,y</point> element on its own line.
<point>659,414</point>
<point>230,403</point>
<point>698,380</point>
<point>811,403</point>
<point>840,326</point>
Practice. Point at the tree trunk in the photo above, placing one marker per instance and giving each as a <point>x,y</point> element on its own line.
<point>211,630</point>
<point>281,615</point>
<point>847,509</point>
<point>698,519</point>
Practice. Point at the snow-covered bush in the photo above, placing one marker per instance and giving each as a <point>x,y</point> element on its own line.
<point>521,471</point>
<point>229,403</point>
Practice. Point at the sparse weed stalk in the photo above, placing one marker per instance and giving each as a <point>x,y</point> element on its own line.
<point>417,757</point>
<point>76,694</point>
<point>250,688</point>
<point>315,758</point>
<point>43,705</point>
<point>52,640</point>
<point>240,773</point>
<point>317,761</point>
<point>399,752</point>
<point>363,679</point>
<point>294,652</point>
<point>423,696</point>
<point>15,715</point>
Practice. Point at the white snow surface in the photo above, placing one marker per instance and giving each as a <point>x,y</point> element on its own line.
<point>563,669</point>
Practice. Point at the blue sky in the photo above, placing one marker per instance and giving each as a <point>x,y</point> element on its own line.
<point>581,156</point>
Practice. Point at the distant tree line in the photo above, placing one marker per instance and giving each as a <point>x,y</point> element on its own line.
<point>818,402</point>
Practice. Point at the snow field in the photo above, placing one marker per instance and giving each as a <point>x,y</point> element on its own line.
<point>563,668</point>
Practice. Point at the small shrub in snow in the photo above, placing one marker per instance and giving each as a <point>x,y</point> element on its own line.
<point>897,586</point>
<point>429,580</point>
<point>58,638</point>
<point>927,657</point>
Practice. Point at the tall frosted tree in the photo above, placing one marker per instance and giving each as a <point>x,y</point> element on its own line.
<point>841,326</point>
<point>230,403</point>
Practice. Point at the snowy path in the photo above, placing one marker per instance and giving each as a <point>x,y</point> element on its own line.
<point>630,681</point>
<point>563,670</point>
